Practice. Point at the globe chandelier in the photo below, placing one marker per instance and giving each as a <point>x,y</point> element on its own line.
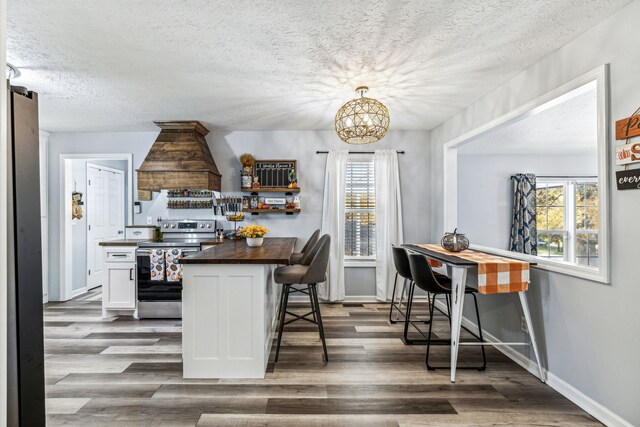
<point>362,120</point>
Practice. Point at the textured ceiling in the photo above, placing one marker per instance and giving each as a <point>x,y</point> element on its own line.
<point>260,65</point>
<point>569,127</point>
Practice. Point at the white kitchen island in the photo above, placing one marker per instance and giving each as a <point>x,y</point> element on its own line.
<point>229,304</point>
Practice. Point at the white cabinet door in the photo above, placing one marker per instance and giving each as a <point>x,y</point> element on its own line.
<point>120,292</point>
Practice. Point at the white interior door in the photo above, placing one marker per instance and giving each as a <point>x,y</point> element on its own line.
<point>105,217</point>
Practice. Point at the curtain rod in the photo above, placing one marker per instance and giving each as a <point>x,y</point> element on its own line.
<point>359,152</point>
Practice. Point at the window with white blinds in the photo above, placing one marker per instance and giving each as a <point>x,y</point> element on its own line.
<point>360,216</point>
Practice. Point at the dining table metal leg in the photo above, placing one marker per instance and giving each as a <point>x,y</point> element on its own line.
<point>527,317</point>
<point>458,283</point>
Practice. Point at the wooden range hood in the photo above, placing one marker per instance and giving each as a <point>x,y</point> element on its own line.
<point>179,159</point>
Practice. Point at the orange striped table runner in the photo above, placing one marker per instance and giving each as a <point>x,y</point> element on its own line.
<point>496,274</point>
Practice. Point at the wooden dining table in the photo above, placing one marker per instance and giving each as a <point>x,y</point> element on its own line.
<point>457,269</point>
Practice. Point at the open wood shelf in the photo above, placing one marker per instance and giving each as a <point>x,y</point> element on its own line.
<point>259,211</point>
<point>271,190</point>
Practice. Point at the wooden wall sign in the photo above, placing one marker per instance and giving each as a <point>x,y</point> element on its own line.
<point>628,153</point>
<point>628,180</point>
<point>274,173</point>
<point>627,128</point>
<point>144,195</point>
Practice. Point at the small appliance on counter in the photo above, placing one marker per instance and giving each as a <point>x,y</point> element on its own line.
<point>140,232</point>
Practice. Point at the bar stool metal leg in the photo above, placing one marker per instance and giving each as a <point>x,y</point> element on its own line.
<point>313,307</point>
<point>484,356</point>
<point>283,314</point>
<point>393,299</point>
<point>402,294</point>
<point>319,320</point>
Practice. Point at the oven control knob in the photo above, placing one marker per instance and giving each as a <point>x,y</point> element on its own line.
<point>201,225</point>
<point>166,226</point>
<point>173,226</point>
<point>208,225</point>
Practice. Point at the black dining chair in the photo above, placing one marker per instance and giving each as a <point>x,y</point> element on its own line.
<point>311,271</point>
<point>401,263</point>
<point>424,278</point>
<point>296,257</point>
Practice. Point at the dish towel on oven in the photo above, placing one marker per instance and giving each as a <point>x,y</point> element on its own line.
<point>174,268</point>
<point>157,265</point>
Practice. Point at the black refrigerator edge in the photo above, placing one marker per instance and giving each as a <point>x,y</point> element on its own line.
<point>25,346</point>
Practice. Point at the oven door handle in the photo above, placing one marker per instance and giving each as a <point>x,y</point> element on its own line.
<point>144,252</point>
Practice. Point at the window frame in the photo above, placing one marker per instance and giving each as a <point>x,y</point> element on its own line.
<point>599,76</point>
<point>571,229</point>
<point>354,260</point>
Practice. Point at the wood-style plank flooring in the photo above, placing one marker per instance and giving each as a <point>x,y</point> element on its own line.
<point>127,372</point>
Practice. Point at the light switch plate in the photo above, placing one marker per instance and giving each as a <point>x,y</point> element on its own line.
<point>149,220</point>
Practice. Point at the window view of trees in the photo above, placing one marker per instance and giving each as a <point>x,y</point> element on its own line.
<point>550,204</point>
<point>564,236</point>
<point>587,222</point>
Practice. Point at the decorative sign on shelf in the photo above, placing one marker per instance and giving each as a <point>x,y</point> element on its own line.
<point>275,173</point>
<point>144,195</point>
<point>627,128</point>
<point>628,153</point>
<point>628,180</point>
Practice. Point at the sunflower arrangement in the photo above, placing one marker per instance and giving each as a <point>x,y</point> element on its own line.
<point>253,231</point>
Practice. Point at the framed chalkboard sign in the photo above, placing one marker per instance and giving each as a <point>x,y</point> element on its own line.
<point>275,173</point>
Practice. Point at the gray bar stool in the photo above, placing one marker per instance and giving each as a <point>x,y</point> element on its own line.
<point>311,271</point>
<point>296,257</point>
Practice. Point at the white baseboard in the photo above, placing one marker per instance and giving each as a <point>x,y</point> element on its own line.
<point>595,409</point>
<point>78,292</point>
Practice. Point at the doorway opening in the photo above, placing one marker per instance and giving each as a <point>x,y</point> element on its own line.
<point>96,202</point>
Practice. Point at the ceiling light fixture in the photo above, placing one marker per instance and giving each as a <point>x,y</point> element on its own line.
<point>12,72</point>
<point>362,120</point>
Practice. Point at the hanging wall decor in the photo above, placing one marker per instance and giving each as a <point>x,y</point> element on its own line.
<point>629,127</point>
<point>629,153</point>
<point>76,205</point>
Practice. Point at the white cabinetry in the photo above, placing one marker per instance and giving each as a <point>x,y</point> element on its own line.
<point>119,291</point>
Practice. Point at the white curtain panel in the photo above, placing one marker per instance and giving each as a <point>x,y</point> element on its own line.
<point>388,219</point>
<point>333,223</point>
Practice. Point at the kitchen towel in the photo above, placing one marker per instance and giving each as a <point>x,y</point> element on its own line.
<point>174,268</point>
<point>157,265</point>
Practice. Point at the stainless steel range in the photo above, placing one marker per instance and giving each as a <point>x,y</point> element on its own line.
<point>159,274</point>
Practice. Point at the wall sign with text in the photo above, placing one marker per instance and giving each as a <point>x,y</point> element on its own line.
<point>628,180</point>
<point>627,128</point>
<point>275,173</point>
<point>628,153</point>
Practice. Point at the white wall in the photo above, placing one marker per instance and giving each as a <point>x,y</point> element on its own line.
<point>226,148</point>
<point>485,190</point>
<point>589,331</point>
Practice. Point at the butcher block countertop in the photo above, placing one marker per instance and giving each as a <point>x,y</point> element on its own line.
<point>123,242</point>
<point>274,250</point>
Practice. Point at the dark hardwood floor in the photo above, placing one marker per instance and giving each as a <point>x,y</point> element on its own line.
<point>127,372</point>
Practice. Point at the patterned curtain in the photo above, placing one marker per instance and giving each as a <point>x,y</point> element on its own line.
<point>524,233</point>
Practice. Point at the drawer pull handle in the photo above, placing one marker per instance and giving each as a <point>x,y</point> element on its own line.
<point>131,274</point>
<point>119,255</point>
